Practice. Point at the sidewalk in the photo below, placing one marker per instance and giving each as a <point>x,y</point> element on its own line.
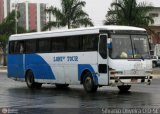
<point>3,68</point>
<point>156,73</point>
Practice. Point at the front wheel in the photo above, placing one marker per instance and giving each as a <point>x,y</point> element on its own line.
<point>124,88</point>
<point>88,83</point>
<point>30,81</point>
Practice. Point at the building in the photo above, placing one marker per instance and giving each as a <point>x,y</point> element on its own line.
<point>4,9</point>
<point>155,27</point>
<point>43,15</point>
<point>32,15</point>
<point>1,11</point>
<point>22,19</point>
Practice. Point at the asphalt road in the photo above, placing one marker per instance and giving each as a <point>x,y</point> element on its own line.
<point>15,97</point>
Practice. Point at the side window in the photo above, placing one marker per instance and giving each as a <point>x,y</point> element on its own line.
<point>72,44</point>
<point>58,44</point>
<point>103,46</point>
<point>11,47</point>
<point>90,43</point>
<point>44,45</point>
<point>30,46</point>
<point>21,50</point>
<point>18,47</point>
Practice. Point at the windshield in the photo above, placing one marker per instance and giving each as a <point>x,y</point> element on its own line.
<point>140,46</point>
<point>129,47</point>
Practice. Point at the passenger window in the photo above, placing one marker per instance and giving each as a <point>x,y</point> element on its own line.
<point>58,44</point>
<point>73,44</point>
<point>11,47</point>
<point>44,45</point>
<point>89,43</point>
<point>21,47</point>
<point>18,47</point>
<point>30,46</point>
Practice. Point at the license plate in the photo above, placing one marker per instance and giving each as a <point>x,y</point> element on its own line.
<point>134,80</point>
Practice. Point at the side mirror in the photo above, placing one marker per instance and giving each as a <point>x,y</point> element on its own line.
<point>109,43</point>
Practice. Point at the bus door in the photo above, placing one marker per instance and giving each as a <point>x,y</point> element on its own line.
<point>102,60</point>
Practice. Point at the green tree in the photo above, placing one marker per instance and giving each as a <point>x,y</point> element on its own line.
<point>129,12</point>
<point>71,15</point>
<point>7,28</point>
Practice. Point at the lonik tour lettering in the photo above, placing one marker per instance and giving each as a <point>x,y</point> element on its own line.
<point>65,58</point>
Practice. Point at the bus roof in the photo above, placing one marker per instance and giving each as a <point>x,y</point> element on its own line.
<point>67,32</point>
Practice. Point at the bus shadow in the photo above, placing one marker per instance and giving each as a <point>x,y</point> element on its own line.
<point>73,92</point>
<point>78,97</point>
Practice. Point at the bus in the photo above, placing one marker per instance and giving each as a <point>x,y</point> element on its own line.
<point>93,57</point>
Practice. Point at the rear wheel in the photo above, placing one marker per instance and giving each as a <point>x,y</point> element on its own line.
<point>30,81</point>
<point>124,88</point>
<point>88,83</point>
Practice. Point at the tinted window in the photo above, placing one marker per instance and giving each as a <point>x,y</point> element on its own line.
<point>16,47</point>
<point>103,46</point>
<point>44,45</point>
<point>58,44</point>
<point>11,47</point>
<point>72,44</point>
<point>30,46</point>
<point>90,43</point>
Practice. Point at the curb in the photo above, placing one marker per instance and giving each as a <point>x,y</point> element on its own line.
<point>1,71</point>
<point>156,76</point>
<point>3,68</point>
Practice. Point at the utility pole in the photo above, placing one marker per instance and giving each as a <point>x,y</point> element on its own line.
<point>16,19</point>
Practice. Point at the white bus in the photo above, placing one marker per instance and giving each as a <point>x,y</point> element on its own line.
<point>94,57</point>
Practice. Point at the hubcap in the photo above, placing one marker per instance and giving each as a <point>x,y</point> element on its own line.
<point>88,83</point>
<point>30,79</point>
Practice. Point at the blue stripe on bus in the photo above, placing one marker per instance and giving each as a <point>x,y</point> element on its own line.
<point>34,62</point>
<point>83,67</point>
<point>39,66</point>
<point>15,66</point>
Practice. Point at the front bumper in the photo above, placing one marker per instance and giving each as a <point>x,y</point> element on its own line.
<point>129,80</point>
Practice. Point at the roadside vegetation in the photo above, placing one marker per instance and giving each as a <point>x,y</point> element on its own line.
<point>7,28</point>
<point>70,15</point>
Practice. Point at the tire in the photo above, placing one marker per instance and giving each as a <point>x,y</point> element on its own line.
<point>62,85</point>
<point>30,81</point>
<point>88,83</point>
<point>124,88</point>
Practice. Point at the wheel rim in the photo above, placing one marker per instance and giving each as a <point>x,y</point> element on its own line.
<point>88,83</point>
<point>30,79</point>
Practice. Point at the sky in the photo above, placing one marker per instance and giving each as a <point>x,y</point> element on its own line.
<point>97,9</point>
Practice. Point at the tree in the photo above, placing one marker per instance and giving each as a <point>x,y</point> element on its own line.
<point>129,12</point>
<point>70,15</point>
<point>7,28</point>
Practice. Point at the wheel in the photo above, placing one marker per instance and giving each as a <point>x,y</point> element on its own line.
<point>124,88</point>
<point>30,81</point>
<point>62,85</point>
<point>88,83</point>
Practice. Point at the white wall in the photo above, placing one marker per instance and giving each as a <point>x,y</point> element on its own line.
<point>156,19</point>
